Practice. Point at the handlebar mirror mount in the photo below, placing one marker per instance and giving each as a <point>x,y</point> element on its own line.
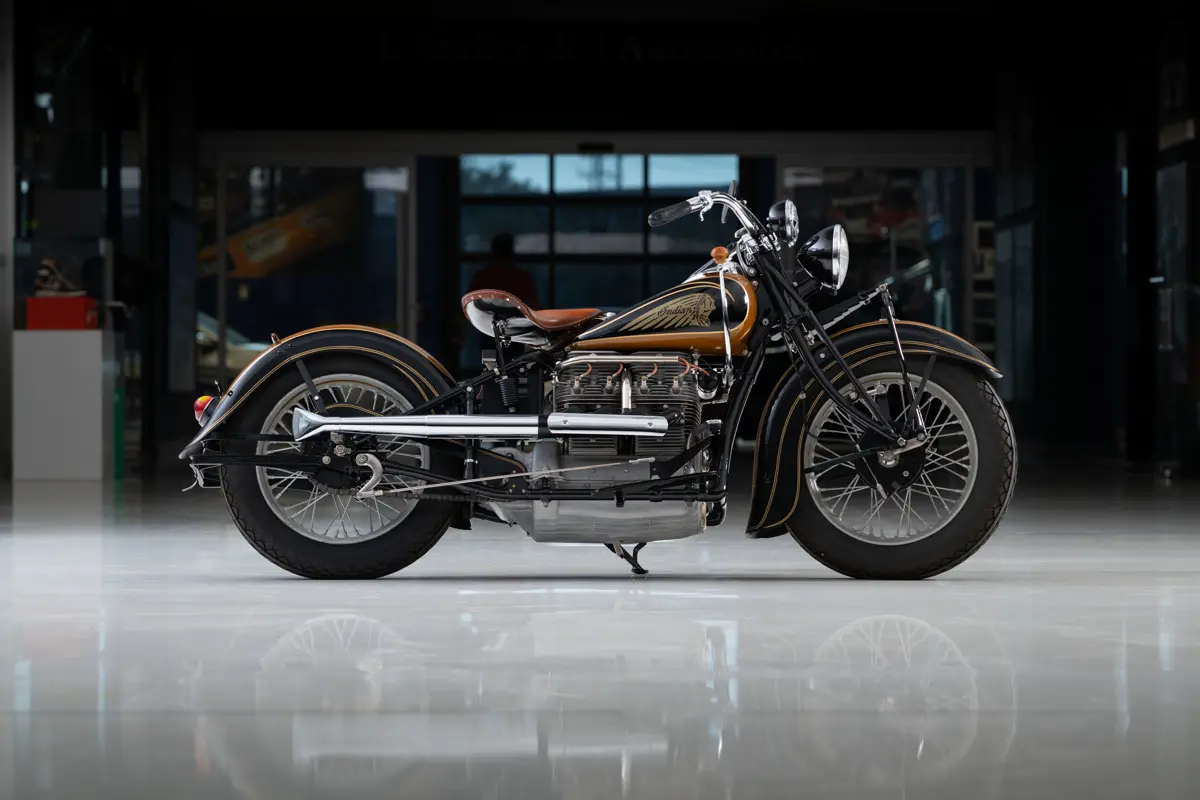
<point>733,187</point>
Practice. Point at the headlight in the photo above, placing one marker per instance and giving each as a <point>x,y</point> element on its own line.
<point>784,220</point>
<point>841,255</point>
<point>826,256</point>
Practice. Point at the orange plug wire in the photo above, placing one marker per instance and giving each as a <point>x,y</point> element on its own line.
<point>690,366</point>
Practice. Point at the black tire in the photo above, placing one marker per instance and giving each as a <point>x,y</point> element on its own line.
<point>975,520</point>
<point>307,557</point>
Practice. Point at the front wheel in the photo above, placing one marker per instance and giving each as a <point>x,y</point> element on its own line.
<point>940,502</point>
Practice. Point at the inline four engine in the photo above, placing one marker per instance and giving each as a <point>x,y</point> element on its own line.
<point>610,383</point>
<point>640,383</point>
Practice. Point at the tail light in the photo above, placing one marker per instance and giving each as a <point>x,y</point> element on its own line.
<point>200,406</point>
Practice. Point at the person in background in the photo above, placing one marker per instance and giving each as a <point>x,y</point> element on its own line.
<point>503,273</point>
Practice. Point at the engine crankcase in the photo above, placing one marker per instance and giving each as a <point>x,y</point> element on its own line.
<point>597,521</point>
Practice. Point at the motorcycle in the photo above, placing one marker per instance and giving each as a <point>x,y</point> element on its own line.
<point>884,449</point>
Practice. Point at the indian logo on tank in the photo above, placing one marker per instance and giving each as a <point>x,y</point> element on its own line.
<point>690,311</point>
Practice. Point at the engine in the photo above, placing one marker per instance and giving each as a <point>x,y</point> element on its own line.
<point>639,383</point>
<point>667,384</point>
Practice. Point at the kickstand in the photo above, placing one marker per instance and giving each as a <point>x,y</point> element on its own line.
<point>630,558</point>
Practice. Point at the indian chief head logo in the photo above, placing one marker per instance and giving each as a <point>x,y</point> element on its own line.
<point>689,311</point>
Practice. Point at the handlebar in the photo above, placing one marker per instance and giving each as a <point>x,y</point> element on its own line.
<point>702,203</point>
<point>670,213</point>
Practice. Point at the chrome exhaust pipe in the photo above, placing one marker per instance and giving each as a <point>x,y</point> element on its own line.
<point>480,426</point>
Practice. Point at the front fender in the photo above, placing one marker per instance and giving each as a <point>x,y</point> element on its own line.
<point>777,481</point>
<point>414,364</point>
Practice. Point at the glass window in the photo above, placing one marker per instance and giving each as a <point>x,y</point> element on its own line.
<point>665,276</point>
<point>504,175</point>
<point>528,225</point>
<point>578,223</point>
<point>690,234</point>
<point>583,229</point>
<point>686,175</point>
<point>611,287</point>
<point>384,186</point>
<point>540,273</point>
<point>596,174</point>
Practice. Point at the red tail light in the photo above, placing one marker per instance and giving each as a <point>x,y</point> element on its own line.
<point>201,405</point>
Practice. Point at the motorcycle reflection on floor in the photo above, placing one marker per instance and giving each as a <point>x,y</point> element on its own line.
<point>351,704</point>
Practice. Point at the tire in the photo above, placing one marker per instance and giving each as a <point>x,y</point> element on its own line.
<point>974,519</point>
<point>391,550</point>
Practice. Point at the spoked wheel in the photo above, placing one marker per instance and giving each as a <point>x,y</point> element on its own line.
<point>311,522</point>
<point>323,506</point>
<point>917,513</point>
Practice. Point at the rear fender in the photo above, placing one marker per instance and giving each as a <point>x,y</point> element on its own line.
<point>777,483</point>
<point>413,364</point>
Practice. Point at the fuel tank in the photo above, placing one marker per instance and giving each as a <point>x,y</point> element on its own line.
<point>684,317</point>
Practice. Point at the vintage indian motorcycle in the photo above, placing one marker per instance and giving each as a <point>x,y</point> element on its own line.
<point>884,450</point>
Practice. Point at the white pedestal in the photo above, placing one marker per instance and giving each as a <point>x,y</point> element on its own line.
<point>63,385</point>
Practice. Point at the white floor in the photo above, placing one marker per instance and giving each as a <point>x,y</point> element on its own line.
<point>147,651</point>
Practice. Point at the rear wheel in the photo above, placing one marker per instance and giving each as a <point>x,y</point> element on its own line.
<point>945,498</point>
<point>312,523</point>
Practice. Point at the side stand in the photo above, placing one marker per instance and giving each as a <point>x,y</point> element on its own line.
<point>629,558</point>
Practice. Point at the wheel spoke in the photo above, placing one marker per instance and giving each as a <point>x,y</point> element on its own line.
<point>927,500</point>
<point>323,505</point>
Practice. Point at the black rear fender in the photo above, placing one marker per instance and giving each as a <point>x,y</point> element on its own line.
<point>411,363</point>
<point>777,481</point>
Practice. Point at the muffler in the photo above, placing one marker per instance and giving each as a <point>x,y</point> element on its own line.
<point>480,426</point>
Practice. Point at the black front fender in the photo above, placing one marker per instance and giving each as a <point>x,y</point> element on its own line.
<point>777,481</point>
<point>410,361</point>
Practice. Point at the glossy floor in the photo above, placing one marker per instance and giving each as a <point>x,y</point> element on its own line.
<point>147,651</point>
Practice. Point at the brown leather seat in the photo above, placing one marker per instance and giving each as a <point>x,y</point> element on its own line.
<point>495,303</point>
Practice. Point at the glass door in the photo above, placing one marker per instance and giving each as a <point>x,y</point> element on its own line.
<point>285,248</point>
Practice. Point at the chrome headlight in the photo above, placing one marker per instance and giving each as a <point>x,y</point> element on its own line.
<point>826,256</point>
<point>784,221</point>
<point>841,255</point>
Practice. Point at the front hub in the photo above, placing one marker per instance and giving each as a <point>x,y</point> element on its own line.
<point>894,472</point>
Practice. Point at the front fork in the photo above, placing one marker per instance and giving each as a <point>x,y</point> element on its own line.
<point>914,422</point>
<point>801,350</point>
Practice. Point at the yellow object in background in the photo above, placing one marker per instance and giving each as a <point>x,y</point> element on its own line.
<point>267,246</point>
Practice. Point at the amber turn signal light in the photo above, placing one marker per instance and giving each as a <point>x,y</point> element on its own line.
<point>201,405</point>
<point>720,254</point>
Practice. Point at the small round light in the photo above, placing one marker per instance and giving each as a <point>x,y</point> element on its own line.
<point>791,223</point>
<point>201,405</point>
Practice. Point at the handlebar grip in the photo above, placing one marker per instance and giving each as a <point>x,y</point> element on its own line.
<point>669,214</point>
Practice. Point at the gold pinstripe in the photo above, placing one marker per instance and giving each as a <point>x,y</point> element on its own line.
<point>762,418</point>
<point>403,368</point>
<point>380,331</point>
<point>362,328</point>
<point>906,322</point>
